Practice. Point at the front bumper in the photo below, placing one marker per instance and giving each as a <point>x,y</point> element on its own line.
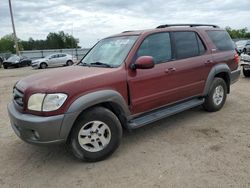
<point>36,129</point>
<point>235,75</point>
<point>35,65</point>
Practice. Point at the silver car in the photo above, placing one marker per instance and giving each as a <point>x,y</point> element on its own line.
<point>243,46</point>
<point>53,60</point>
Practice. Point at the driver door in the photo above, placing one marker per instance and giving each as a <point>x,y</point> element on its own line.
<point>148,87</point>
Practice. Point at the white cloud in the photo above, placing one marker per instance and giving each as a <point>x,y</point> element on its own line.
<point>95,19</point>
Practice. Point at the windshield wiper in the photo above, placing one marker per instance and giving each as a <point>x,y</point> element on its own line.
<point>84,64</point>
<point>102,64</point>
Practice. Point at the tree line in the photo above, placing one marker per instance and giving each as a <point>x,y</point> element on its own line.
<point>58,40</point>
<point>238,33</point>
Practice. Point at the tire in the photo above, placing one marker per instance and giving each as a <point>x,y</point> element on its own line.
<point>246,73</point>
<point>244,51</point>
<point>217,95</point>
<point>5,66</point>
<point>101,134</point>
<point>43,65</point>
<point>69,63</point>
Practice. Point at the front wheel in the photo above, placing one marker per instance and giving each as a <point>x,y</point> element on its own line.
<point>96,134</point>
<point>43,65</point>
<point>216,96</point>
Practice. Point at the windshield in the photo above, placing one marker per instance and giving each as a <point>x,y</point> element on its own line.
<point>14,58</point>
<point>109,52</point>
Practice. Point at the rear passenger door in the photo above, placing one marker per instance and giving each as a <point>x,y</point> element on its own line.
<point>190,68</point>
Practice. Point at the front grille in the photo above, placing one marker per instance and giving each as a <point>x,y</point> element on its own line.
<point>18,97</point>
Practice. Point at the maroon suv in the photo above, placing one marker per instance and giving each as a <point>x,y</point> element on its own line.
<point>124,82</point>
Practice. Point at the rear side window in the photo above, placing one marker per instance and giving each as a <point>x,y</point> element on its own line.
<point>221,40</point>
<point>188,44</point>
<point>158,46</point>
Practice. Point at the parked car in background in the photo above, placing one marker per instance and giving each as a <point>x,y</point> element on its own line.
<point>60,59</point>
<point>243,46</point>
<point>245,63</point>
<point>16,61</point>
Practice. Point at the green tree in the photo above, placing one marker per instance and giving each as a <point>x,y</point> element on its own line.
<point>7,44</point>
<point>238,33</point>
<point>58,40</point>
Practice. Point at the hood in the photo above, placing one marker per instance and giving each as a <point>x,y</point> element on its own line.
<point>63,79</point>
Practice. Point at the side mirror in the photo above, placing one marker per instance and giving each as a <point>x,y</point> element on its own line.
<point>143,62</point>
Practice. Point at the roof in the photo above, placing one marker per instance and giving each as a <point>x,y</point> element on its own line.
<point>170,27</point>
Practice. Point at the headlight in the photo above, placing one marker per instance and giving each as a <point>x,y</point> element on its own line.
<point>53,101</point>
<point>35,102</point>
<point>43,102</point>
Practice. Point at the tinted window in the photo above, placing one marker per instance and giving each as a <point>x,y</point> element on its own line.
<point>188,44</point>
<point>221,40</point>
<point>61,55</point>
<point>158,46</point>
<point>54,56</point>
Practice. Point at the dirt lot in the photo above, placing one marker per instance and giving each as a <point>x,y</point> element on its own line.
<point>191,149</point>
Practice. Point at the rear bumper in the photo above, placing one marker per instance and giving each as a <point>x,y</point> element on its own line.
<point>235,75</point>
<point>36,129</point>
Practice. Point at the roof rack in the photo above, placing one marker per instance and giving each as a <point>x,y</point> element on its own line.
<point>189,25</point>
<point>126,31</point>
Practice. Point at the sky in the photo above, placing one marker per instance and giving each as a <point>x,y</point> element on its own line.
<point>92,20</point>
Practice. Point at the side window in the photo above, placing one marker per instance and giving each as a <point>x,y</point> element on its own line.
<point>158,46</point>
<point>221,40</point>
<point>53,56</point>
<point>188,44</point>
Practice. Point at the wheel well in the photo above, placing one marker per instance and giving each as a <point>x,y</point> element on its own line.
<point>117,110</point>
<point>226,78</point>
<point>44,63</point>
<point>113,107</point>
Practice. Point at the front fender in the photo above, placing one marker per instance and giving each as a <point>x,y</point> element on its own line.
<point>86,101</point>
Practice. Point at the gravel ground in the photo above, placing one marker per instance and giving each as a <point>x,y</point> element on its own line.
<point>191,149</point>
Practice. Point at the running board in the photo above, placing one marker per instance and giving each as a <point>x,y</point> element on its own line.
<point>163,113</point>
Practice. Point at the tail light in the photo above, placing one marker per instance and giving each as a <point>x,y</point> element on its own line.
<point>236,58</point>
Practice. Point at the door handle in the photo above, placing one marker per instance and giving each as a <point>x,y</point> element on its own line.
<point>169,70</point>
<point>208,62</point>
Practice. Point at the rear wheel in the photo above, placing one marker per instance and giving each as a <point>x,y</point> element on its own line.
<point>96,134</point>
<point>5,66</point>
<point>43,65</point>
<point>246,73</point>
<point>216,96</point>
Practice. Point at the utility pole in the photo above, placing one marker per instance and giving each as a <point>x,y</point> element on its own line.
<point>14,30</point>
